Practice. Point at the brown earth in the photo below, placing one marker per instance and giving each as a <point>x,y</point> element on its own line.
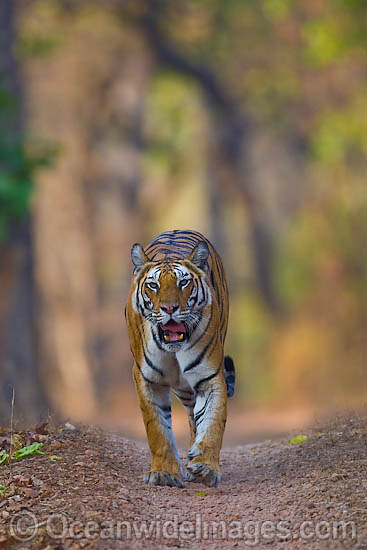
<point>273,495</point>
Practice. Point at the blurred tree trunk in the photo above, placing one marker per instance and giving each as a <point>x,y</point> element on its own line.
<point>19,367</point>
<point>119,220</point>
<point>65,270</point>
<point>217,232</point>
<point>233,131</point>
<point>89,97</point>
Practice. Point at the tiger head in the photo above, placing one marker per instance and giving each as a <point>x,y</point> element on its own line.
<point>171,295</point>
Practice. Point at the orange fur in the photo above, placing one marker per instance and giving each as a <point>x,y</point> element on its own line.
<point>181,271</point>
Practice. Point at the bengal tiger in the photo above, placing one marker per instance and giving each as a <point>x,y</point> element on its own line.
<point>177,315</point>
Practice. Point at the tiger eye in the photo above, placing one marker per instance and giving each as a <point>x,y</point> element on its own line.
<point>184,283</point>
<point>152,286</point>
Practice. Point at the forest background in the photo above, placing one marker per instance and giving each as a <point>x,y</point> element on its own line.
<point>243,119</point>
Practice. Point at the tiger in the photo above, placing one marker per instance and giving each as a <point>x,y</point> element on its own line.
<point>177,317</point>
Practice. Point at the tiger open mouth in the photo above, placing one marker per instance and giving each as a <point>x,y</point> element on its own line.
<point>173,332</point>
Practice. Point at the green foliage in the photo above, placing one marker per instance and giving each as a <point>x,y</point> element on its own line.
<point>249,340</point>
<point>173,119</point>
<point>339,134</point>
<point>30,450</point>
<point>34,45</point>
<point>23,452</point>
<point>2,489</point>
<point>326,234</point>
<point>296,260</point>
<point>324,43</point>
<point>3,457</point>
<point>18,164</point>
<point>298,439</point>
<point>277,9</point>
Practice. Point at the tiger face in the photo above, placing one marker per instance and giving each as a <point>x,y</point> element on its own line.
<point>172,295</point>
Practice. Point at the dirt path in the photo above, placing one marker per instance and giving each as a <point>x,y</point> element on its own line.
<point>273,495</point>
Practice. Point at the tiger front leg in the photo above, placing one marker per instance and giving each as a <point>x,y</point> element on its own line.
<point>155,404</point>
<point>210,414</point>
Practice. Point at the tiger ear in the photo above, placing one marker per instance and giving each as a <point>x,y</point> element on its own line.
<point>199,255</point>
<point>138,257</point>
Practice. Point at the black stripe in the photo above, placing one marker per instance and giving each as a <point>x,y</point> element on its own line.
<point>139,293</point>
<point>188,241</point>
<point>166,410</point>
<point>216,334</point>
<point>147,379</point>
<point>199,358</point>
<point>203,291</point>
<point>200,413</point>
<point>176,238</point>
<point>185,391</point>
<point>206,379</point>
<point>182,240</point>
<point>137,299</point>
<point>195,289</point>
<point>206,328</point>
<point>156,341</point>
<point>147,304</point>
<point>185,399</point>
<point>148,361</point>
<point>216,287</point>
<point>152,366</point>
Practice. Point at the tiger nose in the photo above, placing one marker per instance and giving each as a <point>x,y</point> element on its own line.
<point>169,308</point>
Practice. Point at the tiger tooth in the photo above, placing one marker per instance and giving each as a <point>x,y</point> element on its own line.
<point>181,336</point>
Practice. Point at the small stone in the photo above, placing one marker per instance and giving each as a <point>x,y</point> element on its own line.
<point>336,477</point>
<point>70,427</point>
<point>91,452</point>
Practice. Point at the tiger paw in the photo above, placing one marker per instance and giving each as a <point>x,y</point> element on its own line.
<point>154,477</point>
<point>194,451</point>
<point>203,473</point>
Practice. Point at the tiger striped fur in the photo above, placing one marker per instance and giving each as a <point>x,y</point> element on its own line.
<point>177,315</point>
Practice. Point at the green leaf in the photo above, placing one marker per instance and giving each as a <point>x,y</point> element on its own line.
<point>31,450</point>
<point>54,457</point>
<point>201,494</point>
<point>2,489</point>
<point>3,457</point>
<point>298,439</point>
